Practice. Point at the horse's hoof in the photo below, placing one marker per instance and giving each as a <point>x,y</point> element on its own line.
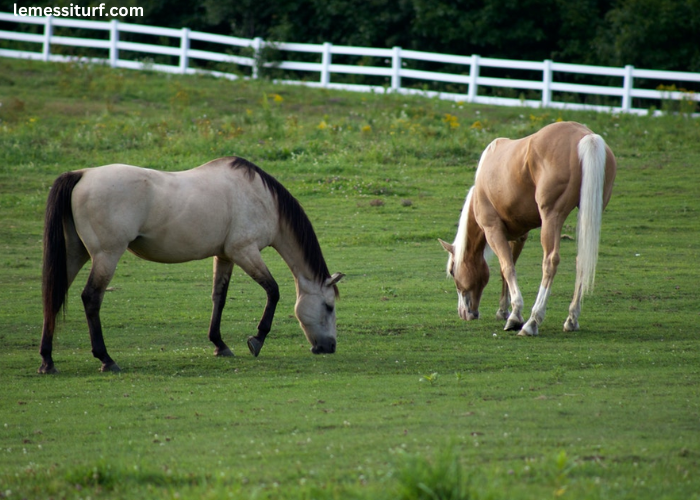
<point>225,352</point>
<point>529,330</point>
<point>254,345</point>
<point>111,367</point>
<point>502,315</point>
<point>513,325</point>
<point>48,370</point>
<point>571,326</point>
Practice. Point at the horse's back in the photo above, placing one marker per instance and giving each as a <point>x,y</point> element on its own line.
<point>504,188</point>
<point>519,178</point>
<point>172,216</point>
<point>555,165</point>
<point>553,150</point>
<point>556,160</point>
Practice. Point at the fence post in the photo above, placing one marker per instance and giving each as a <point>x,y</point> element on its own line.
<point>114,43</point>
<point>326,64</point>
<point>184,49</point>
<point>627,85</point>
<point>48,33</point>
<point>257,57</point>
<point>547,83</point>
<point>396,69</point>
<point>473,77</point>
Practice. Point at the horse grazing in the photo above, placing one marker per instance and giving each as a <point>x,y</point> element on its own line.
<point>228,208</point>
<point>520,185</point>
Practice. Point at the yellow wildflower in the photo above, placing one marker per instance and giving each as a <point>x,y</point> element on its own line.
<point>451,120</point>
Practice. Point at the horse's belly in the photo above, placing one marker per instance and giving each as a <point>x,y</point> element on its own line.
<point>517,226</point>
<point>193,238</point>
<point>171,252</point>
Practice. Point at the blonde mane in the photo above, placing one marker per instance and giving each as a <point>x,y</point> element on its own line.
<point>460,244</point>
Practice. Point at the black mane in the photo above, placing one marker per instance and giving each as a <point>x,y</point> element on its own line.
<point>291,212</point>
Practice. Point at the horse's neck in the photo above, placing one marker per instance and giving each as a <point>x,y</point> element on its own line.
<point>293,254</point>
<point>476,238</point>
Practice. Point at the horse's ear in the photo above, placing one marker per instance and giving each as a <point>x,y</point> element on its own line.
<point>448,247</point>
<point>334,279</point>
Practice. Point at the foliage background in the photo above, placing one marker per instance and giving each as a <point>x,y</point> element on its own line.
<point>653,34</point>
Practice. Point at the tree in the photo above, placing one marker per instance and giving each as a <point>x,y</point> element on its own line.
<point>653,34</point>
<point>656,34</point>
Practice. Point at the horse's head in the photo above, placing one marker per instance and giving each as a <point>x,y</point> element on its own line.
<point>470,279</point>
<point>315,310</point>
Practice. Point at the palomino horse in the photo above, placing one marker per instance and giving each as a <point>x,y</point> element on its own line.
<point>521,185</point>
<point>228,208</point>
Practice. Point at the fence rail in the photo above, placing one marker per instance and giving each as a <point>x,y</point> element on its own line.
<point>394,71</point>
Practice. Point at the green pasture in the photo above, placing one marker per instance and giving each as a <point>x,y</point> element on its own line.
<point>415,404</point>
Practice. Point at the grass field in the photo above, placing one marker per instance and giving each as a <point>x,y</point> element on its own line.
<point>416,403</point>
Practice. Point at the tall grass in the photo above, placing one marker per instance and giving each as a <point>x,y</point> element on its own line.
<point>443,478</point>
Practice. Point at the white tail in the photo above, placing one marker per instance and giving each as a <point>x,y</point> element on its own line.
<point>591,153</point>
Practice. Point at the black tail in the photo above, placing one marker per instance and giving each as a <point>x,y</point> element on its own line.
<point>55,271</point>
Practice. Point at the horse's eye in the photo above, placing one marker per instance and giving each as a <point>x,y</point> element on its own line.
<point>452,271</point>
<point>329,308</point>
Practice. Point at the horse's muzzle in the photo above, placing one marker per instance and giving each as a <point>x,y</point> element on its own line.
<point>324,348</point>
<point>464,309</point>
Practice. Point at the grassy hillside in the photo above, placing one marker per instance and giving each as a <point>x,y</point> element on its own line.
<point>415,399</point>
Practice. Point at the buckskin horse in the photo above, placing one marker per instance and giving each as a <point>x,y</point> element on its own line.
<point>521,185</point>
<point>228,208</point>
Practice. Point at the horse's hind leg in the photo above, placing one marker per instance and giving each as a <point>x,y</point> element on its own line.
<point>76,257</point>
<point>222,277</point>
<point>571,323</point>
<point>103,267</point>
<point>550,238</point>
<point>516,247</point>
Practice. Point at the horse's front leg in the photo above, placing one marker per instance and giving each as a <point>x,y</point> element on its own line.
<point>516,247</point>
<point>222,278</point>
<point>500,246</point>
<point>251,262</point>
<point>273,296</point>
<point>504,301</point>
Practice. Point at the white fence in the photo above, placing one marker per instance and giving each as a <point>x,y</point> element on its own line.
<point>394,71</point>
